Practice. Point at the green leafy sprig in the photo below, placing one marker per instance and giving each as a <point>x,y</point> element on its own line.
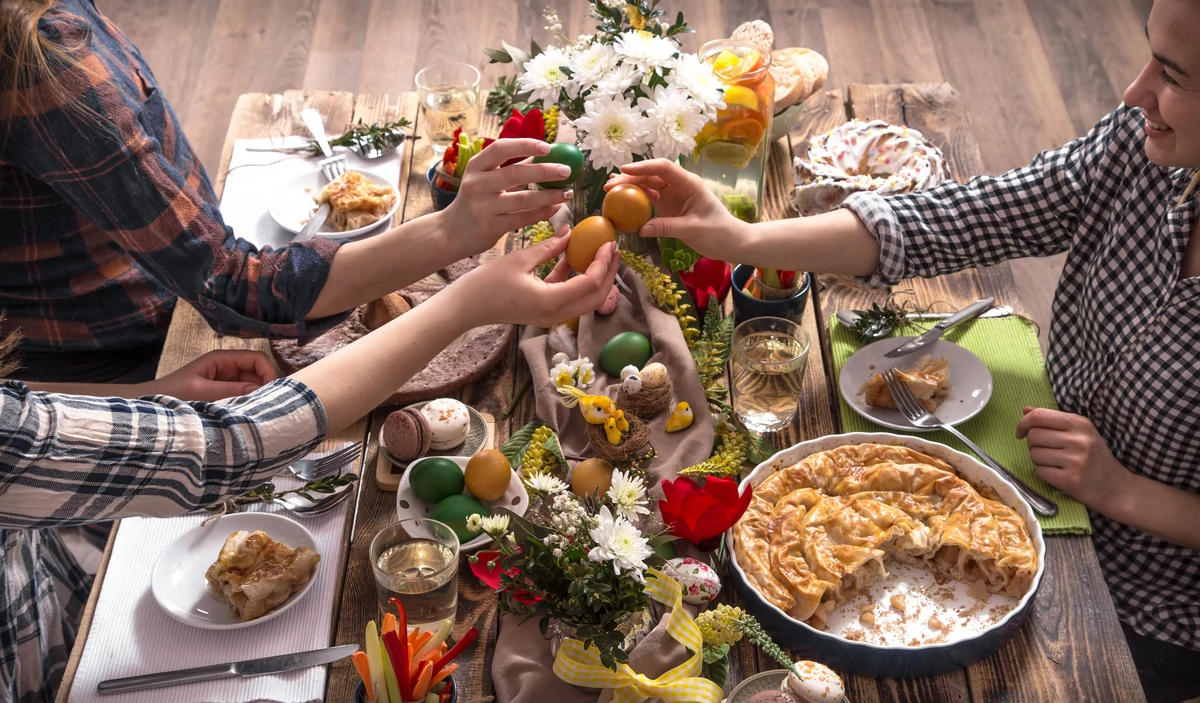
<point>711,353</point>
<point>506,97</point>
<point>665,293</point>
<point>369,138</point>
<point>267,493</point>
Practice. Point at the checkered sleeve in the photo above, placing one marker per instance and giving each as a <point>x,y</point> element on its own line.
<point>69,460</point>
<point>97,150</point>
<point>1035,210</point>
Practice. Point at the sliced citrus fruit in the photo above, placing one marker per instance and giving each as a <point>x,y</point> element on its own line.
<point>726,63</point>
<point>751,62</point>
<point>706,133</point>
<point>724,153</point>
<point>747,131</point>
<point>738,95</point>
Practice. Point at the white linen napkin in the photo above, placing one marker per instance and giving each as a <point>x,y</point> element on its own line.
<point>132,635</point>
<point>256,175</point>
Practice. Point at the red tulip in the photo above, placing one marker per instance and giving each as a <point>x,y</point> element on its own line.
<point>530,125</point>
<point>491,577</point>
<point>708,279</point>
<point>701,514</point>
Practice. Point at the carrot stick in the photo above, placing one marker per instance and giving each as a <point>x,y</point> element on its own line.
<point>389,623</point>
<point>457,649</point>
<point>443,674</point>
<point>421,638</point>
<point>364,670</point>
<point>421,687</point>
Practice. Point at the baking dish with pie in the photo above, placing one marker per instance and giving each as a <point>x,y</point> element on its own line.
<point>886,555</point>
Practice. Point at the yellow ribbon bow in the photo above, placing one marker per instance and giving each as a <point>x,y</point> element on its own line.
<point>582,667</point>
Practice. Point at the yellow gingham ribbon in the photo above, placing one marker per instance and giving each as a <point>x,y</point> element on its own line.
<point>582,667</point>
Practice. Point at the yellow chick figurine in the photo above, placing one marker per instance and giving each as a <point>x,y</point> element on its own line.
<point>680,419</point>
<point>596,409</point>
<point>611,431</point>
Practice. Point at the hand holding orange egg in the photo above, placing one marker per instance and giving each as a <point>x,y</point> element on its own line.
<point>626,208</point>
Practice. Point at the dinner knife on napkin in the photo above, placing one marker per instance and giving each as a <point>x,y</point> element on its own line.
<point>940,328</point>
<point>314,223</point>
<point>250,667</point>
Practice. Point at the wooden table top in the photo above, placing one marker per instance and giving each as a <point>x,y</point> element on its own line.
<point>1071,647</point>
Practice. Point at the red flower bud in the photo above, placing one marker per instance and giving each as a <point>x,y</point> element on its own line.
<point>697,514</point>
<point>708,278</point>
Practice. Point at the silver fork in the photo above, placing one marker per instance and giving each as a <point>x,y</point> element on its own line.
<point>920,417</point>
<point>311,469</point>
<point>332,166</point>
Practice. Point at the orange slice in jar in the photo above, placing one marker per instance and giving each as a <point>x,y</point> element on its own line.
<point>751,62</point>
<point>745,131</point>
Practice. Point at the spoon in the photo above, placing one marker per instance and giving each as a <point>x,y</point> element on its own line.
<point>850,317</point>
<point>303,508</point>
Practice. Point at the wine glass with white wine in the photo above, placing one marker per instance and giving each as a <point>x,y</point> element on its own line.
<point>449,94</point>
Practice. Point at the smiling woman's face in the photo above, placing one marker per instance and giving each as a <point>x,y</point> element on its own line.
<point>1168,88</point>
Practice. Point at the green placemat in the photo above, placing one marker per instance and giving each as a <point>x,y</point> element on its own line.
<point>1009,347</point>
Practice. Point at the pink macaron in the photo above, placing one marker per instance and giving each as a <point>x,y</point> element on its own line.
<point>406,434</point>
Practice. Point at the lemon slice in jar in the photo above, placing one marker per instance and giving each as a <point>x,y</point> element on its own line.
<point>740,95</point>
<point>725,153</point>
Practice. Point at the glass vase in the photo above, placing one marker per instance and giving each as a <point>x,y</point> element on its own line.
<point>731,151</point>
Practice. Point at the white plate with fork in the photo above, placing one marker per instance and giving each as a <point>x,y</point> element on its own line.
<point>295,202</point>
<point>970,380</point>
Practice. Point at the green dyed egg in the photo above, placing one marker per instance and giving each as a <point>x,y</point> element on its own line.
<point>567,155</point>
<point>435,478</point>
<point>625,349</point>
<point>455,510</point>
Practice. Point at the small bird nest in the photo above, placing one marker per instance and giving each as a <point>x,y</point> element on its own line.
<point>633,442</point>
<point>648,402</point>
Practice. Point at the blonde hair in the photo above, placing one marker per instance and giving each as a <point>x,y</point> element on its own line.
<point>8,351</point>
<point>1191,189</point>
<point>28,59</point>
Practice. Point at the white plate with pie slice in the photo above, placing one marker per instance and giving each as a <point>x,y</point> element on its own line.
<point>294,203</point>
<point>178,579</point>
<point>970,381</point>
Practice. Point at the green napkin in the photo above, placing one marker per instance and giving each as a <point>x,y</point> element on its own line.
<point>1009,347</point>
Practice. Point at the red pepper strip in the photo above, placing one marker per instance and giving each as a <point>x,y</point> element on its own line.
<point>456,650</point>
<point>395,649</point>
<point>402,626</point>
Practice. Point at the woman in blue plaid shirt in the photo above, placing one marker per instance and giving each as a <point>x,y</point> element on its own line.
<point>1124,344</point>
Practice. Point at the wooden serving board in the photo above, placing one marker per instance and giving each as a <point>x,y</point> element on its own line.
<point>387,474</point>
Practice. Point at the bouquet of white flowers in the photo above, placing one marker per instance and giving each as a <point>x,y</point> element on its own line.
<point>628,90</point>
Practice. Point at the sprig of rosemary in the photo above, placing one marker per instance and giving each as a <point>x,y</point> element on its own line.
<point>890,314</point>
<point>506,97</point>
<point>267,493</point>
<point>367,138</point>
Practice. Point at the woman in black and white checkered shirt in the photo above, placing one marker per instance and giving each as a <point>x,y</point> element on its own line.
<point>1124,346</point>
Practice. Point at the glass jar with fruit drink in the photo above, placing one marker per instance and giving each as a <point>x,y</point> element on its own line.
<point>731,151</point>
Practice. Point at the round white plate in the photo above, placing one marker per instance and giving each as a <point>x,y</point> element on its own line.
<point>293,204</point>
<point>408,505</point>
<point>178,582</point>
<point>969,376</point>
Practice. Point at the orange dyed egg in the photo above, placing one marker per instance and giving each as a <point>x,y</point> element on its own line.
<point>586,239</point>
<point>627,207</point>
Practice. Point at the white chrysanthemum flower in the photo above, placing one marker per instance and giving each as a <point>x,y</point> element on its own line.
<point>563,374</point>
<point>674,120</point>
<point>585,372</point>
<point>628,495</point>
<point>474,523</point>
<point>494,525</point>
<point>618,541</point>
<point>545,484</point>
<point>697,79</point>
<point>613,132</point>
<point>646,51</point>
<point>544,78</point>
<point>617,81</point>
<point>591,65</point>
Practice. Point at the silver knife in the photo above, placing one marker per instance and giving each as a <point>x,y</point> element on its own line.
<point>250,667</point>
<point>936,333</point>
<point>314,223</point>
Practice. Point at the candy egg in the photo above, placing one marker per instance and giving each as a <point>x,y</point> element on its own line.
<point>591,475</point>
<point>627,207</point>
<point>698,580</point>
<point>586,239</point>
<point>610,303</point>
<point>622,350</point>
<point>487,475</point>
<point>654,375</point>
<point>454,511</point>
<point>566,154</point>
<point>559,358</point>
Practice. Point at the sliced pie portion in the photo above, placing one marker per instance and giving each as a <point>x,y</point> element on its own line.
<point>928,379</point>
<point>254,574</point>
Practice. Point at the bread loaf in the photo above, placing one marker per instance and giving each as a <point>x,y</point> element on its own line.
<point>755,33</point>
<point>798,73</point>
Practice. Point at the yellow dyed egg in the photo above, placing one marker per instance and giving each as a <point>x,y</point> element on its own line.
<point>487,475</point>
<point>627,207</point>
<point>586,239</point>
<point>591,475</point>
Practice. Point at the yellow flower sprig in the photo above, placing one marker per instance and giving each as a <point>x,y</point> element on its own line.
<point>538,459</point>
<point>728,457</point>
<point>551,118</point>
<point>721,625</point>
<point>536,234</point>
<point>665,293</point>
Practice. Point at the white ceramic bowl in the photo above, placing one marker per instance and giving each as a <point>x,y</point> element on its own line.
<point>178,582</point>
<point>408,505</point>
<point>959,650</point>
<point>293,204</point>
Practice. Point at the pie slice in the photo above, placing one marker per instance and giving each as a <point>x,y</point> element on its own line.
<point>254,574</point>
<point>928,379</point>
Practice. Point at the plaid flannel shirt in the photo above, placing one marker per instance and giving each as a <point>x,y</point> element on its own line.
<point>106,218</point>
<point>1124,344</point>
<point>71,460</point>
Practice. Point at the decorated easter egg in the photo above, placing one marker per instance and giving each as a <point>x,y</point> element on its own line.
<point>610,303</point>
<point>435,478</point>
<point>566,154</point>
<point>591,475</point>
<point>454,511</point>
<point>699,581</point>
<point>627,207</point>
<point>654,375</point>
<point>625,349</point>
<point>586,239</point>
<point>487,475</point>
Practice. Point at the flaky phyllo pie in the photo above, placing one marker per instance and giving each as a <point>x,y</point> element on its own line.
<point>254,574</point>
<point>355,201</point>
<point>928,379</point>
<point>818,533</point>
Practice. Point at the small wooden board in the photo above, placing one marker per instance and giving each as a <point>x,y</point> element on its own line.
<point>387,474</point>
